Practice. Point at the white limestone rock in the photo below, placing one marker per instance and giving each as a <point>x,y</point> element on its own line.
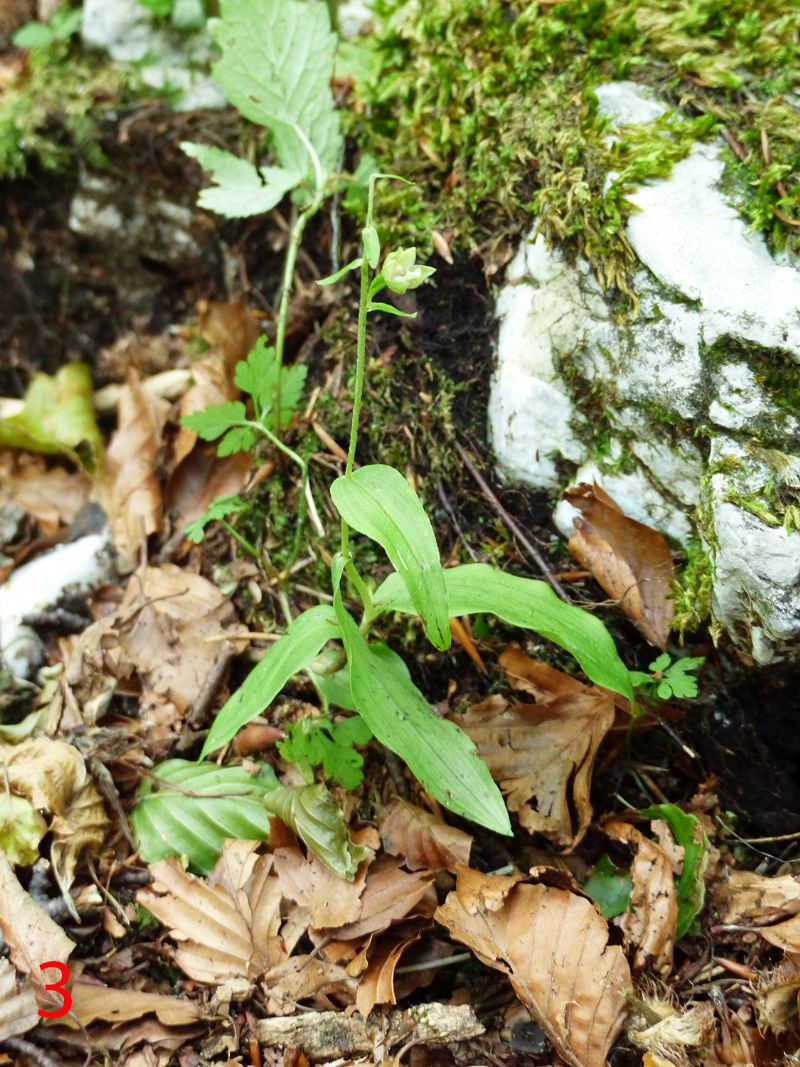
<point>718,318</point>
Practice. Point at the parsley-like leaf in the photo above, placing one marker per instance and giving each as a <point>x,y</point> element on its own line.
<point>240,439</point>
<point>311,742</point>
<point>256,376</point>
<point>240,188</point>
<point>214,420</point>
<point>221,508</point>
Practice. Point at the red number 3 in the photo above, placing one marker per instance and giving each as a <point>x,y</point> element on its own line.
<point>57,987</point>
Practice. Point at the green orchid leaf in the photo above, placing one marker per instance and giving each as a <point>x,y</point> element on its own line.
<point>438,753</point>
<point>389,309</point>
<point>331,278</point>
<point>299,645</point>
<point>276,67</point>
<point>609,886</point>
<point>317,819</point>
<point>691,887</point>
<point>191,808</point>
<point>530,604</point>
<point>240,189</point>
<point>58,418</point>
<point>21,830</point>
<point>377,501</point>
<point>336,687</point>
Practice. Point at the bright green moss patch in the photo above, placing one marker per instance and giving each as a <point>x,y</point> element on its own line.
<point>489,106</point>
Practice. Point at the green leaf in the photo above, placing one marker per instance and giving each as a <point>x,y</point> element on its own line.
<point>377,501</point>
<point>58,417</point>
<point>221,508</point>
<point>477,587</point>
<point>239,439</point>
<point>377,305</point>
<point>65,22</point>
<point>21,830</point>
<point>438,753</point>
<point>276,67</point>
<point>691,887</point>
<point>317,819</point>
<point>311,742</point>
<point>609,887</point>
<point>213,421</point>
<point>661,662</point>
<point>193,807</point>
<point>354,264</point>
<point>336,687</point>
<point>241,189</point>
<point>372,245</point>
<point>33,35</point>
<point>299,645</point>
<point>257,375</point>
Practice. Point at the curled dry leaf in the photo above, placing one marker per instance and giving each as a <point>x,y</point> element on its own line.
<point>376,985</point>
<point>631,561</point>
<point>554,948</point>
<point>477,891</point>
<point>31,935</point>
<point>770,905</point>
<point>129,489</point>
<point>52,497</point>
<point>778,998</point>
<point>227,925</point>
<point>82,828</point>
<point>48,773</point>
<point>332,901</point>
<point>423,840</point>
<point>301,978</point>
<point>648,926</point>
<point>91,1003</point>
<point>390,894</point>
<point>18,1009</point>
<point>536,677</point>
<point>165,631</point>
<point>543,752</point>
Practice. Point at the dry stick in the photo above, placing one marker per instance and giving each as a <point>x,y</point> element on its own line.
<point>27,1048</point>
<point>201,709</point>
<point>532,551</point>
<point>448,507</point>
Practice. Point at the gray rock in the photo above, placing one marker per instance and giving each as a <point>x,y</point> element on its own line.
<point>648,406</point>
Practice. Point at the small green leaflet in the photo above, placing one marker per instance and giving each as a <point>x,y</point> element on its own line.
<point>311,742</point>
<point>276,68</point>
<point>377,501</point>
<point>609,887</point>
<point>215,420</point>
<point>257,375</point>
<point>221,508</point>
<point>317,819</point>
<point>691,887</point>
<point>438,753</point>
<point>670,679</point>
<point>192,807</point>
<point>477,587</point>
<point>299,645</point>
<point>21,830</point>
<point>240,189</point>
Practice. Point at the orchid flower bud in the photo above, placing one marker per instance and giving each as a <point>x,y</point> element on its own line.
<point>401,272</point>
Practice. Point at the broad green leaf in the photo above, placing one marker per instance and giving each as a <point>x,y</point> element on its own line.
<point>58,417</point>
<point>691,887</point>
<point>477,587</point>
<point>215,419</point>
<point>317,819</point>
<point>276,67</point>
<point>241,189</point>
<point>21,829</point>
<point>34,35</point>
<point>299,645</point>
<point>192,807</point>
<point>609,887</point>
<point>438,753</point>
<point>377,501</point>
<point>257,375</point>
<point>336,687</point>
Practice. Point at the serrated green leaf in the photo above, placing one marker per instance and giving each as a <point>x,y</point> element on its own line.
<point>241,189</point>
<point>213,421</point>
<point>221,508</point>
<point>58,418</point>
<point>690,887</point>
<point>257,375</point>
<point>438,753</point>
<point>21,830</point>
<point>311,742</point>
<point>609,886</point>
<point>276,67</point>
<point>530,604</point>
<point>661,662</point>
<point>192,807</point>
<point>299,645</point>
<point>317,819</point>
<point>239,439</point>
<point>377,501</point>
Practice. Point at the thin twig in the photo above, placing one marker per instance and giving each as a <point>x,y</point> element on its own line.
<point>200,711</point>
<point>27,1048</point>
<point>448,507</point>
<point>534,554</point>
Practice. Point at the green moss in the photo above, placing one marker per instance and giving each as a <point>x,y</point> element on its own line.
<point>488,106</point>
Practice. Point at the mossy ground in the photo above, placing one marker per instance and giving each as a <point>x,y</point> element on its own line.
<point>489,106</point>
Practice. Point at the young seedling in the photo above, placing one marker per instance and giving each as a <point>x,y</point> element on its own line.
<point>669,679</point>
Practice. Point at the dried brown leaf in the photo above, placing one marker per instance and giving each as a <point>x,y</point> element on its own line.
<point>390,894</point>
<point>745,897</point>
<point>92,1002</point>
<point>553,945</point>
<point>477,891</point>
<point>648,926</point>
<point>303,978</point>
<point>778,998</point>
<point>52,496</point>
<point>331,900</point>
<point>536,677</point>
<point>48,773</point>
<point>82,828</point>
<point>31,935</point>
<point>543,752</point>
<point>376,985</point>
<point>201,478</point>
<point>18,1009</point>
<point>423,840</point>
<point>631,561</point>
<point>129,489</point>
